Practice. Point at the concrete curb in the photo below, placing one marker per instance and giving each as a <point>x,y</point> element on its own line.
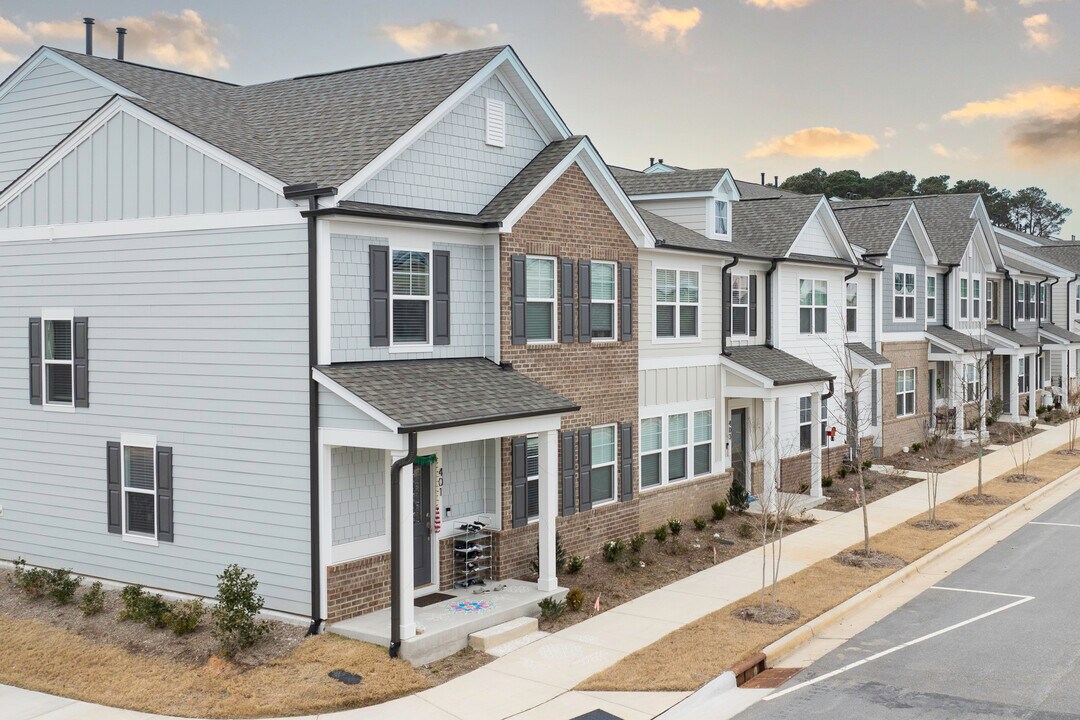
<point>803,634</point>
<point>698,704</point>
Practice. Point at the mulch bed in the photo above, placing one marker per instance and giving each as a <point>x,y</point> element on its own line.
<point>934,526</point>
<point>859,559</point>
<point>949,454</point>
<point>1021,478</point>
<point>768,615</point>
<point>1068,452</point>
<point>841,493</point>
<point>981,500</point>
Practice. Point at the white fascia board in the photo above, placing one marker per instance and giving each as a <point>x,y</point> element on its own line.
<point>1016,236</point>
<point>343,437</point>
<point>997,338</point>
<point>838,230</point>
<point>488,430</point>
<point>858,362</point>
<point>1038,262</point>
<point>150,226</point>
<point>44,53</point>
<point>673,196</point>
<point>983,218</point>
<point>922,237</point>
<point>358,403</point>
<point>749,375</point>
<point>410,230</point>
<point>557,129</point>
<point>733,187</point>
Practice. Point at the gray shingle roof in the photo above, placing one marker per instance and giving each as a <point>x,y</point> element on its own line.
<point>948,222</point>
<point>317,128</point>
<point>1060,332</point>
<point>428,394</point>
<point>1020,266</point>
<point>756,191</point>
<point>872,226</point>
<point>769,227</point>
<point>871,356</point>
<point>655,183</point>
<point>672,234</point>
<point>956,338</point>
<point>777,365</point>
<point>407,213</point>
<point>1017,338</point>
<point>1064,255</point>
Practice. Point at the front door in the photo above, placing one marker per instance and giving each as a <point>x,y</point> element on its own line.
<point>421,525</point>
<point>737,427</point>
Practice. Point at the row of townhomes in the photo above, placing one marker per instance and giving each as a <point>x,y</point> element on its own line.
<point>374,333</point>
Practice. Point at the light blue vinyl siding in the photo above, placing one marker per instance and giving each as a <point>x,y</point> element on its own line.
<point>198,338</point>
<point>942,293</point>
<point>40,111</point>
<point>358,491</point>
<point>905,252</point>
<point>336,413</point>
<point>450,167</point>
<point>127,169</point>
<point>470,484</point>
<point>472,302</point>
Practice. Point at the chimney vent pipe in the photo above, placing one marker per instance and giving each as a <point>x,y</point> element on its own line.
<point>776,180</point>
<point>762,178</point>
<point>89,22</point>
<point>652,161</point>
<point>120,33</point>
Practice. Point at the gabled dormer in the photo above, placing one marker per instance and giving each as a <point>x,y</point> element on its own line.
<point>700,200</point>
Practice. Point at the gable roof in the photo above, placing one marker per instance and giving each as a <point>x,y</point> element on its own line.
<point>1012,336</point>
<point>957,339</point>
<point>949,223</point>
<point>755,191</point>
<point>770,227</point>
<point>661,183</point>
<point>873,226</point>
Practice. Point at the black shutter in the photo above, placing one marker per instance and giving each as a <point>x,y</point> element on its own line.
<point>35,361</point>
<point>379,257</point>
<point>725,305</point>
<point>626,464</point>
<point>584,301</point>
<point>753,304</point>
<point>626,302</point>
<point>517,300</point>
<point>1049,304</point>
<point>584,452</point>
<point>440,287</point>
<point>566,300</point>
<point>519,490</point>
<point>165,494</point>
<point>1007,304</point>
<point>80,337</point>
<point>566,475</point>
<point>114,502</point>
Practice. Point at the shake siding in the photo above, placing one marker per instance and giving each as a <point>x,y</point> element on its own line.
<point>814,241</point>
<point>127,169</point>
<point>451,167</point>
<point>470,484</point>
<point>905,253</point>
<point>359,491</point>
<point>688,212</point>
<point>40,111</point>
<point>199,339</point>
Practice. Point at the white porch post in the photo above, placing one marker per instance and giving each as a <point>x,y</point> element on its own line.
<point>1034,387</point>
<point>815,444</point>
<point>1014,387</point>
<point>770,460</point>
<point>720,427</point>
<point>957,387</point>
<point>547,446</point>
<point>404,557</point>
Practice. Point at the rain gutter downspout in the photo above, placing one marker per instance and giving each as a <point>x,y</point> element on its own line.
<point>395,545</point>
<point>768,303</point>
<point>1011,308</point>
<point>725,315</point>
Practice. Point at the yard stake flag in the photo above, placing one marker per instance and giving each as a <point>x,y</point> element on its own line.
<point>596,605</point>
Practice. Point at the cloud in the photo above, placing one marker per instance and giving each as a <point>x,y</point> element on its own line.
<point>972,6</point>
<point>889,133</point>
<point>959,154</point>
<point>779,4</point>
<point>820,142</point>
<point>656,21</point>
<point>1047,139</point>
<point>1029,3</point>
<point>439,33</point>
<point>1056,102</point>
<point>12,33</point>
<point>1041,32</point>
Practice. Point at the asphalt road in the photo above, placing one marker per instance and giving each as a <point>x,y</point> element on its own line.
<point>1021,661</point>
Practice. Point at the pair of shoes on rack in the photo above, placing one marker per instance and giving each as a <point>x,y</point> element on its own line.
<point>474,526</point>
<point>497,588</point>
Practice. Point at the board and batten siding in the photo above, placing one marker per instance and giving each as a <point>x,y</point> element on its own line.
<point>128,169</point>
<point>451,167</point>
<point>198,338</point>
<point>40,111</point>
<point>669,386</point>
<point>905,253</point>
<point>472,301</point>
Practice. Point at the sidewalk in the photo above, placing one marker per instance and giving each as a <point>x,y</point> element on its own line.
<point>537,681</point>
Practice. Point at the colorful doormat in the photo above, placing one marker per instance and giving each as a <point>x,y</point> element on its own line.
<point>470,606</point>
<point>431,599</point>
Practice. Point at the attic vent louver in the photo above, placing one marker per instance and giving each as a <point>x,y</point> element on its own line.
<point>495,123</point>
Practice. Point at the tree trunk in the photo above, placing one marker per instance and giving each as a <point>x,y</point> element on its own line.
<point>865,516</point>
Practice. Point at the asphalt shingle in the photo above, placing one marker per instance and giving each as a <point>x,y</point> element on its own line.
<point>872,226</point>
<point>1059,332</point>
<point>775,364</point>
<point>655,183</point>
<point>955,338</point>
<point>1017,338</point>
<point>874,358</point>
<point>949,223</point>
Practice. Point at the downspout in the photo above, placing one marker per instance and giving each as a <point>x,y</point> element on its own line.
<point>1011,307</point>
<point>395,545</point>
<point>1048,307</point>
<point>768,303</point>
<point>725,314</point>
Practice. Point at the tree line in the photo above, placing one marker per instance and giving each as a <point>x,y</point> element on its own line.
<point>1028,210</point>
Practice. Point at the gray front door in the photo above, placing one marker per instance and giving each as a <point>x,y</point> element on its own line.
<point>421,525</point>
<point>738,447</point>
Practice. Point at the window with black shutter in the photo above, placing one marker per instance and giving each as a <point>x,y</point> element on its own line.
<point>140,489</point>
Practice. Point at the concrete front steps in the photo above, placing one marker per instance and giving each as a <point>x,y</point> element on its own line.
<point>507,637</point>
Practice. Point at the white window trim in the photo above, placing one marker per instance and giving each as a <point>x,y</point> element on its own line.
<point>614,464</point>
<point>976,297</point>
<point>930,277</point>
<point>1040,301</point>
<point>913,392</point>
<point>141,441</point>
<point>1077,299</point>
<point>971,382</point>
<point>614,302</point>
<point>733,305</point>
<point>531,478</point>
<point>61,314</point>
<point>407,347</point>
<point>692,461</point>
<point>963,295</point>
<point>814,330</point>
<point>715,231</point>
<point>914,295</point>
<point>554,339</point>
<point>679,338</point>
<point>992,299</point>
<point>849,306</point>
<point>664,413</point>
<point>809,423</point>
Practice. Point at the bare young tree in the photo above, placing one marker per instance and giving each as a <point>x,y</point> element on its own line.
<point>969,388</point>
<point>932,453</point>
<point>776,508</point>
<point>1073,409</point>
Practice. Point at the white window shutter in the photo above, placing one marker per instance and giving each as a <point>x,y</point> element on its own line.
<point>495,126</point>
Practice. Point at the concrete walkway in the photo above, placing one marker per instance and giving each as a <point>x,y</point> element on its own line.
<point>537,680</point>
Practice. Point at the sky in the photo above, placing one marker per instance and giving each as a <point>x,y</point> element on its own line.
<point>966,88</point>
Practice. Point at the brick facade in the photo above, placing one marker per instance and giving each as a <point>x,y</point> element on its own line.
<point>357,587</point>
<point>898,433</point>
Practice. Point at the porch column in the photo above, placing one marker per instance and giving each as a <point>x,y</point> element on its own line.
<point>1014,387</point>
<point>547,447</point>
<point>1034,377</point>
<point>984,385</point>
<point>404,557</point>
<point>770,461</point>
<point>720,427</point>
<point>957,390</point>
<point>815,444</point>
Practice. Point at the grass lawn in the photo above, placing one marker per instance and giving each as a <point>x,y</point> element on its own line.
<point>691,656</point>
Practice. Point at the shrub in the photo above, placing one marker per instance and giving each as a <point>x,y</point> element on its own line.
<point>552,609</point>
<point>826,481</point>
<point>660,534</point>
<point>994,409</point>
<point>614,549</point>
<point>637,542</point>
<point>142,607</point>
<point>235,616</point>
<point>183,617</point>
<point>34,582</point>
<point>738,499</point>
<point>747,531</point>
<point>560,556</point>
<point>575,564</point>
<point>867,464</point>
<point>842,471</point>
<point>700,523</point>
<point>675,526</point>
<point>915,447</point>
<point>719,510</point>
<point>575,598</point>
<point>62,586</point>
<point>93,601</point>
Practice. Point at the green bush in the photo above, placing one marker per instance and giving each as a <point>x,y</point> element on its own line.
<point>719,510</point>
<point>93,601</point>
<point>700,523</point>
<point>575,598</point>
<point>826,481</point>
<point>235,615</point>
<point>575,564</point>
<point>915,447</point>
<point>738,499</point>
<point>994,409</point>
<point>34,582</point>
<point>675,526</point>
<point>184,616</point>
<point>660,534</point>
<point>842,471</point>
<point>62,586</point>
<point>552,609</point>
<point>747,531</point>
<point>614,550</point>
<point>142,607</point>
<point>637,542</point>
<point>867,464</point>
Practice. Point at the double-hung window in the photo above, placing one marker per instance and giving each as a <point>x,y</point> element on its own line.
<point>1042,301</point>
<point>702,442</point>
<point>1029,312</point>
<point>976,298</point>
<point>603,464</point>
<point>852,309</point>
<point>532,477</point>
<point>1077,301</point>
<point>652,451</point>
<point>139,487</point>
<point>720,218</point>
<point>963,298</point>
<point>411,297</point>
<point>676,447</point>
<point>1019,289</point>
<point>677,441</point>
<point>992,300</point>
<point>603,300</point>
<point>931,297</point>
<point>1021,375</point>
<point>58,360</point>
<point>805,423</point>
<point>740,304</point>
<point>905,392</point>
<point>971,383</point>
<point>824,421</point>
<point>903,295</point>
<point>677,299</point>
<point>540,299</point>
<point>813,306</point>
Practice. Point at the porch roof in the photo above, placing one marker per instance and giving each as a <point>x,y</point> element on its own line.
<point>956,339</point>
<point>422,395</point>
<point>1059,333</point>
<point>868,357</point>
<point>777,366</point>
<point>1012,336</point>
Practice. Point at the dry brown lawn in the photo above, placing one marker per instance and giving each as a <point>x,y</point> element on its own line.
<point>696,653</point>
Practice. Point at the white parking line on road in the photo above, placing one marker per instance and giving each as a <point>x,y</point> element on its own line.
<point>1020,601</point>
<point>1036,522</point>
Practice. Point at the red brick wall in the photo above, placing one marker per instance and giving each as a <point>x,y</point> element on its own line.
<point>898,433</point>
<point>357,587</point>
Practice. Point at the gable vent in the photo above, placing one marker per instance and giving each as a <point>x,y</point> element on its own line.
<point>495,123</point>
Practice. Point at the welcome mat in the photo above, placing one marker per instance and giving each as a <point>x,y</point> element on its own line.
<point>431,599</point>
